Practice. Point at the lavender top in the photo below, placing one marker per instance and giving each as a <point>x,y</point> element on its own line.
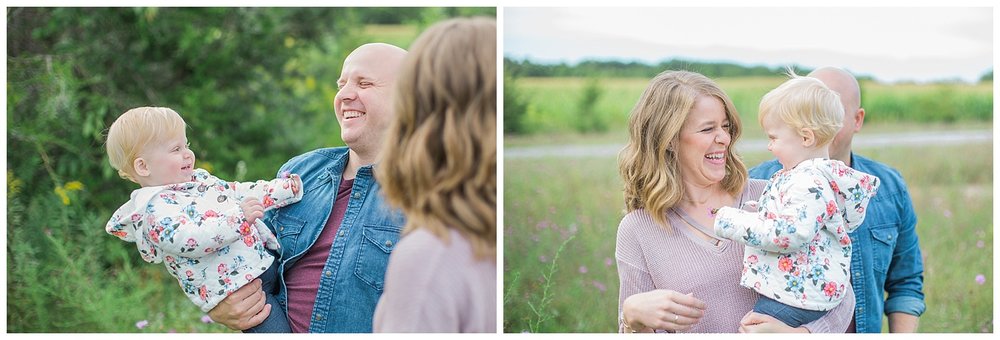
<point>650,257</point>
<point>432,286</point>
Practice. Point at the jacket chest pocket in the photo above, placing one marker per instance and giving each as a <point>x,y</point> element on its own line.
<point>377,242</point>
<point>883,243</point>
<point>288,229</point>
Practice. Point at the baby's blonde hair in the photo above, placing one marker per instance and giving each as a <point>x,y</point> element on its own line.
<point>136,129</point>
<point>439,159</point>
<point>805,103</point>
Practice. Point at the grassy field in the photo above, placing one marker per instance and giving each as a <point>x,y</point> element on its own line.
<point>553,102</point>
<point>547,201</point>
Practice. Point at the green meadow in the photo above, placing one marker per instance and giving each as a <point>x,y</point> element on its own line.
<point>553,105</point>
<point>575,204</point>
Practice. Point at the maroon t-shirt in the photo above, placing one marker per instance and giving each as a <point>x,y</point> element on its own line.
<point>302,280</point>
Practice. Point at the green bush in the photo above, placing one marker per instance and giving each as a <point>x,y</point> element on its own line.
<point>515,106</point>
<point>255,86</point>
<point>590,118</point>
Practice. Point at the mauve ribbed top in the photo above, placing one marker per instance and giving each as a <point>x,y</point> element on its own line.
<point>650,257</point>
<point>436,286</point>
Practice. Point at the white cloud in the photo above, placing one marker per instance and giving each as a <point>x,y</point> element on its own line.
<point>891,44</point>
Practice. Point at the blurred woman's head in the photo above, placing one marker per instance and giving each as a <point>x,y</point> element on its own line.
<point>439,161</point>
<point>681,130</point>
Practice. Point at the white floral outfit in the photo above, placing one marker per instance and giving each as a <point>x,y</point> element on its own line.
<point>197,229</point>
<point>798,251</point>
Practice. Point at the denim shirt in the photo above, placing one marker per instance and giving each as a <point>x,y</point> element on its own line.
<point>354,273</point>
<point>886,255</point>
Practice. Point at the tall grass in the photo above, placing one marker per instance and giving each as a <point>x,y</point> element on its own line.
<point>546,200</point>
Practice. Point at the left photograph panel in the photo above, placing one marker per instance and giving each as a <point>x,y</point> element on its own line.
<point>256,170</point>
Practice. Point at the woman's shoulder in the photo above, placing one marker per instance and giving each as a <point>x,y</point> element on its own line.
<point>637,222</point>
<point>754,188</point>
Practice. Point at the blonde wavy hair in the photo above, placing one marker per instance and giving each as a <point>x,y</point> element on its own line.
<point>650,170</point>
<point>439,159</point>
<point>136,129</point>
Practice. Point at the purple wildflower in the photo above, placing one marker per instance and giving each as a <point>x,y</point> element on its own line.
<point>600,286</point>
<point>980,244</point>
<point>141,324</point>
<point>980,279</point>
<point>608,262</point>
<point>206,319</point>
<point>583,269</point>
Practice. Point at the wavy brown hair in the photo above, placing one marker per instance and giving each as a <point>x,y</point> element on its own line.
<point>650,170</point>
<point>439,159</point>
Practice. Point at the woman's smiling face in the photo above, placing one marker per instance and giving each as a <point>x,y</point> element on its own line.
<point>704,141</point>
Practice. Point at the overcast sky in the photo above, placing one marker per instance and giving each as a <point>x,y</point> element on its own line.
<point>890,44</point>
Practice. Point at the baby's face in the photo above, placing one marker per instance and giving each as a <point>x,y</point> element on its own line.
<point>784,142</point>
<point>168,162</point>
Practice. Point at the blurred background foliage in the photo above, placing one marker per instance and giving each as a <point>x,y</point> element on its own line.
<point>255,85</point>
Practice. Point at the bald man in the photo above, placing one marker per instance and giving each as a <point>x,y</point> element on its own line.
<point>885,260</point>
<point>335,243</point>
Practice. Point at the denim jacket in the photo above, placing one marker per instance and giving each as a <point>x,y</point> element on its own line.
<point>886,256</point>
<point>354,274</point>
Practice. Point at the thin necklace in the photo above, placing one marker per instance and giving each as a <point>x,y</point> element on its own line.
<point>696,228</point>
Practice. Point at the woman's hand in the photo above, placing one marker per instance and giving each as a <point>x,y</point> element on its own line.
<point>662,309</point>
<point>243,309</point>
<point>762,323</point>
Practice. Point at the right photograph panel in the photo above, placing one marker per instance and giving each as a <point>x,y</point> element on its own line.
<point>723,170</point>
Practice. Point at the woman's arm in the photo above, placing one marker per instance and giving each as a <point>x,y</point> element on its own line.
<point>642,307</point>
<point>836,320</point>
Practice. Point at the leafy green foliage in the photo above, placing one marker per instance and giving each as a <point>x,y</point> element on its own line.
<point>618,69</point>
<point>590,117</point>
<point>255,86</point>
<point>515,106</point>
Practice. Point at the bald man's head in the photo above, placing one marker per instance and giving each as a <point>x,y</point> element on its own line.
<point>844,83</point>
<point>364,102</point>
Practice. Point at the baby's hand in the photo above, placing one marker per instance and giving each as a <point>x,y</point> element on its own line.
<point>252,209</point>
<point>295,184</point>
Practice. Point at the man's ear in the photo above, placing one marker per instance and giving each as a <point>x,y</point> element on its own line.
<point>808,137</point>
<point>859,119</point>
<point>140,167</point>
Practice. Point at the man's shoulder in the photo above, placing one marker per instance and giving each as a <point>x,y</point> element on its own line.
<point>891,181</point>
<point>765,170</point>
<point>319,158</point>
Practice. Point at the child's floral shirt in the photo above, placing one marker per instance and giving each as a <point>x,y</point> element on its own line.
<point>197,229</point>
<point>798,251</point>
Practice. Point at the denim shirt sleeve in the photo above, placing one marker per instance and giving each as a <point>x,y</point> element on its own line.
<point>904,280</point>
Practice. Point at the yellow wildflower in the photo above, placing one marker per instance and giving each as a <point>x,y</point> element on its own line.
<point>62,194</point>
<point>73,186</point>
<point>13,184</point>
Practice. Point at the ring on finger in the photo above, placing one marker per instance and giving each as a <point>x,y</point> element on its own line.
<point>676,317</point>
